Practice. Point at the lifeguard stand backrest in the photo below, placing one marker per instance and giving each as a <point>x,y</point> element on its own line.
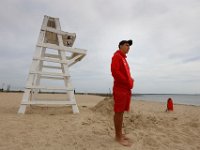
<point>51,37</point>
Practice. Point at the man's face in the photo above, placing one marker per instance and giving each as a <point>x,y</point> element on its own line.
<point>125,48</point>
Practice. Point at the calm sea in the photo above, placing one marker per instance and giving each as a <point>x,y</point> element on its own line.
<point>177,98</point>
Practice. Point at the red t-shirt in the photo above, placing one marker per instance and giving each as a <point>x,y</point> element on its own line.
<point>120,71</point>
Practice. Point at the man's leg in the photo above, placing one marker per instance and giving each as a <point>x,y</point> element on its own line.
<point>118,121</point>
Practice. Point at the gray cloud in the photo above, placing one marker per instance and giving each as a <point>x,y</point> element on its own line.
<point>192,59</point>
<point>166,39</point>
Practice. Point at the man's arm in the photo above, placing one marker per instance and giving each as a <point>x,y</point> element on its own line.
<point>115,69</point>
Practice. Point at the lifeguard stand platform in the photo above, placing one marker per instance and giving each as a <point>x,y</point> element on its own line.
<point>53,57</point>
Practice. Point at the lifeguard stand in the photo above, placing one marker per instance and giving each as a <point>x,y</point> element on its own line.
<point>53,57</point>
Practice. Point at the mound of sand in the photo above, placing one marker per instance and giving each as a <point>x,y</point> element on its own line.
<point>133,120</point>
<point>104,107</point>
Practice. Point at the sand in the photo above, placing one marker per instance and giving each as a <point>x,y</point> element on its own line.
<point>147,124</point>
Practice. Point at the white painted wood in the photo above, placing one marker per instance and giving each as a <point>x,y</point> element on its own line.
<point>75,59</point>
<point>25,99</point>
<point>51,31</point>
<point>58,31</point>
<point>49,88</point>
<point>75,109</point>
<point>62,48</point>
<point>52,56</point>
<point>44,23</point>
<point>37,80</point>
<point>51,60</point>
<point>48,102</point>
<point>50,73</point>
<point>51,77</point>
<point>51,67</point>
<point>56,56</point>
<point>66,68</point>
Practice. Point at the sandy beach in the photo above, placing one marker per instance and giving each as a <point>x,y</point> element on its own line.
<point>56,128</point>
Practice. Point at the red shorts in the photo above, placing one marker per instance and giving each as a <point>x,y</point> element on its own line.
<point>122,99</point>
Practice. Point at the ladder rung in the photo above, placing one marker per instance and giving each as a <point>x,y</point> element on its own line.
<point>55,78</point>
<point>51,55</point>
<point>49,73</point>
<point>58,31</point>
<point>63,48</point>
<point>52,67</point>
<point>51,60</point>
<point>48,102</point>
<point>57,56</point>
<point>49,88</point>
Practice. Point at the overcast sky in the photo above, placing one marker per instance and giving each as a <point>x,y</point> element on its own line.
<point>164,58</point>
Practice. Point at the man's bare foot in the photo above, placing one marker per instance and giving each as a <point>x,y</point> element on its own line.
<point>125,137</point>
<point>124,142</point>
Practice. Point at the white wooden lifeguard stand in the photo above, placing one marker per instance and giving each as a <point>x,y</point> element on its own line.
<point>51,38</point>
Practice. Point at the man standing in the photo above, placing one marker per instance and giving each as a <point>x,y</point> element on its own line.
<point>123,83</point>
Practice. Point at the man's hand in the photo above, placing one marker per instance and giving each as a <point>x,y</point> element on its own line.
<point>131,84</point>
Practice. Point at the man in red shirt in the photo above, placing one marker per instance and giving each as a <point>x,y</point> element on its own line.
<point>123,83</point>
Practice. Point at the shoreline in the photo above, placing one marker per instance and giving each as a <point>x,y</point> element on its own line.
<point>151,101</point>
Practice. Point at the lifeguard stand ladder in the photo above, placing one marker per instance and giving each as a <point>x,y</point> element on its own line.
<point>52,38</point>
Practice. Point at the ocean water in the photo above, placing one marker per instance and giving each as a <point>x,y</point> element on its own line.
<point>177,98</point>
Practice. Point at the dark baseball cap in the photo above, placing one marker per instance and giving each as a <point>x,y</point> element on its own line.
<point>130,42</point>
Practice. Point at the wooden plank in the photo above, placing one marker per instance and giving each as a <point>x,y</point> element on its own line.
<point>75,109</point>
<point>51,67</point>
<point>25,98</point>
<point>62,48</point>
<point>45,21</point>
<point>49,88</point>
<point>50,73</point>
<point>58,31</point>
<point>56,56</point>
<point>51,60</point>
<point>54,78</point>
<point>51,55</point>
<point>49,102</point>
<point>75,59</point>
